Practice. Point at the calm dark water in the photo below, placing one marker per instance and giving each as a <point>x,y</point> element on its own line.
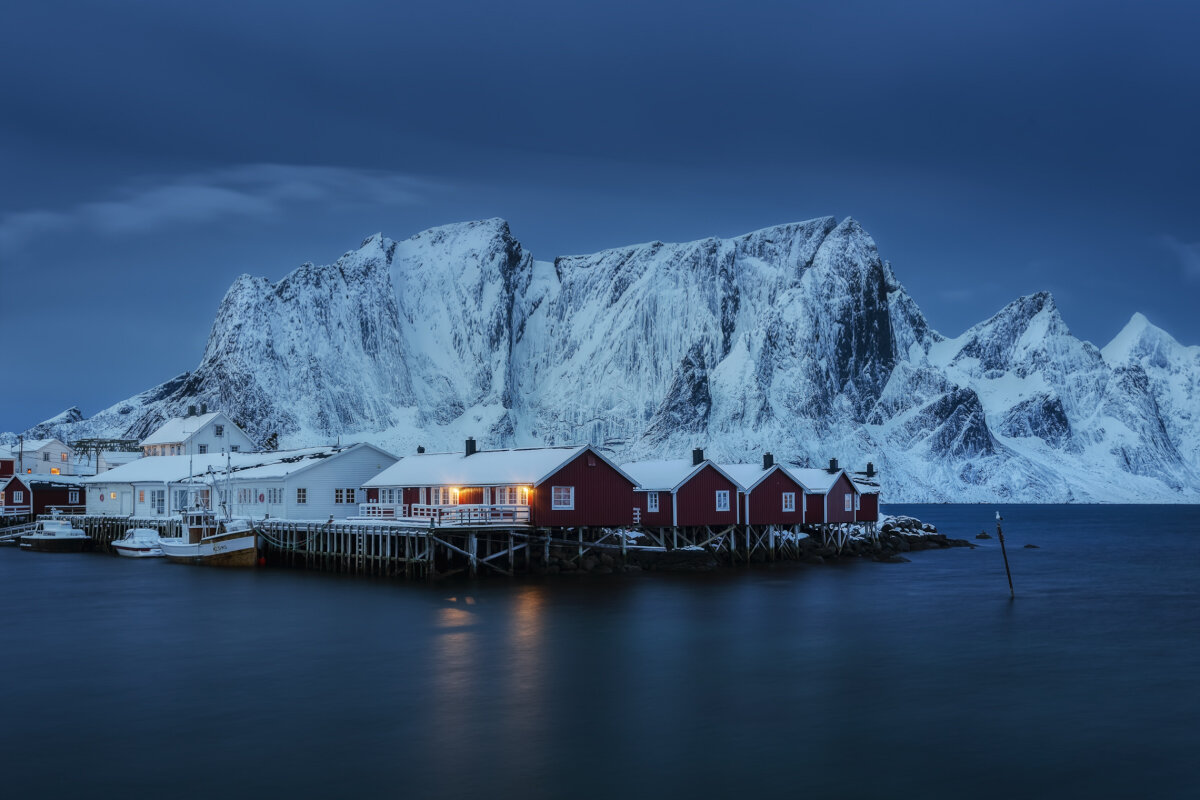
<point>858,680</point>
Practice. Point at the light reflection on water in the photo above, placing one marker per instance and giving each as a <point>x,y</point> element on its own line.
<point>863,679</point>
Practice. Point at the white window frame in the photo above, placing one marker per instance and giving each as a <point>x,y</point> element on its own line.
<point>849,503</point>
<point>234,448</point>
<point>651,502</point>
<point>202,449</point>
<point>339,496</point>
<point>562,498</point>
<point>72,497</point>
<point>857,503</point>
<point>301,496</point>
<point>722,499</point>
<point>158,499</point>
<point>789,496</point>
<point>218,430</point>
<point>18,496</point>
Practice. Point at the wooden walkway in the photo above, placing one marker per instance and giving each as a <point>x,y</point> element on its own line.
<point>398,549</point>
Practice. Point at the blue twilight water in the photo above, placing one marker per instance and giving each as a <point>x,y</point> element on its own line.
<point>861,679</point>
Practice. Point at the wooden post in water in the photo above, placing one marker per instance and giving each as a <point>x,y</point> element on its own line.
<point>1004,552</point>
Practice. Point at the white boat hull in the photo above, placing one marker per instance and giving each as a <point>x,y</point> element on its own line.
<point>138,550</point>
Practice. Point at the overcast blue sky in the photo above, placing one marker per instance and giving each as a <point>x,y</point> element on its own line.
<point>151,152</point>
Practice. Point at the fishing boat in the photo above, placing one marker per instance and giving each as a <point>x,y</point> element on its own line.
<point>139,543</point>
<point>211,541</point>
<point>56,536</point>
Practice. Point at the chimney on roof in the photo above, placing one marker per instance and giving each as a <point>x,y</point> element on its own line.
<point>470,445</point>
<point>697,457</point>
<point>191,411</point>
<point>768,460</point>
<point>870,470</point>
<point>420,449</point>
<point>833,467</point>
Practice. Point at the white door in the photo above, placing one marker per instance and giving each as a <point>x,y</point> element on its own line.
<point>126,502</point>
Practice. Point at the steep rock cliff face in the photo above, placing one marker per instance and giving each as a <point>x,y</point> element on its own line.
<point>796,339</point>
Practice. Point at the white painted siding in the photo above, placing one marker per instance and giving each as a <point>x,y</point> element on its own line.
<point>47,457</point>
<point>347,470</point>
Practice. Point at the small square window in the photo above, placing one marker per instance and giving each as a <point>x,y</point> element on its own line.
<point>202,449</point>
<point>301,496</point>
<point>562,498</point>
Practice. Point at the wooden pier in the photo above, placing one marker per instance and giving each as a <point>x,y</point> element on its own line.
<point>402,549</point>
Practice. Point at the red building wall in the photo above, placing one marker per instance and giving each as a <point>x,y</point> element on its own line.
<point>46,496</point>
<point>603,496</point>
<point>814,508</point>
<point>869,508</point>
<point>695,502</point>
<point>14,484</point>
<point>766,501</point>
<point>654,519</point>
<point>837,501</point>
<point>7,467</point>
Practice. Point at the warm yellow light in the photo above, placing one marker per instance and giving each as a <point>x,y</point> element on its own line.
<point>54,471</point>
<point>112,495</point>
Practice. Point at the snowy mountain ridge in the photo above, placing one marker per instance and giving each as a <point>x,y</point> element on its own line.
<point>796,339</point>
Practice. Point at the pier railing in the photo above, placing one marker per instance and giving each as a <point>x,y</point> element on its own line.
<point>465,515</point>
<point>383,510</point>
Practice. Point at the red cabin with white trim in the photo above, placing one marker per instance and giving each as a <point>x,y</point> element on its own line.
<point>538,486</point>
<point>770,496</point>
<point>685,493</point>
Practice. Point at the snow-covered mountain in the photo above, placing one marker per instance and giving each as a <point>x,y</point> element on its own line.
<point>796,339</point>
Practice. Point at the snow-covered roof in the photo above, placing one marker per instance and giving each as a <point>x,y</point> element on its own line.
<point>529,465</point>
<point>816,481</point>
<point>668,475</point>
<point>173,469</point>
<point>34,445</point>
<point>120,456</point>
<point>50,481</point>
<point>748,475</point>
<point>179,429</point>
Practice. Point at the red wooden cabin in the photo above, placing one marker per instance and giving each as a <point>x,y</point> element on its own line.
<point>16,500</point>
<point>684,493</point>
<point>769,496</point>
<point>546,487</point>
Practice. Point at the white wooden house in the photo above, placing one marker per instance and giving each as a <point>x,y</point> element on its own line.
<point>197,434</point>
<point>44,456</point>
<point>312,483</point>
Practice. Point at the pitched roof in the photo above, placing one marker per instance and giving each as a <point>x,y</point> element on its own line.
<point>180,428</point>
<point>526,465</point>
<point>750,475</point>
<point>816,481</point>
<point>173,469</point>
<point>668,475</point>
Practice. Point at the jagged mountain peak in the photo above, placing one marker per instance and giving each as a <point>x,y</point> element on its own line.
<point>1141,339</point>
<point>797,338</point>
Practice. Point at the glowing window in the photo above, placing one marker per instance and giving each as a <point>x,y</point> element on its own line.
<point>55,471</point>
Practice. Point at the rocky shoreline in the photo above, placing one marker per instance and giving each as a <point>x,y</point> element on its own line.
<point>897,535</point>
